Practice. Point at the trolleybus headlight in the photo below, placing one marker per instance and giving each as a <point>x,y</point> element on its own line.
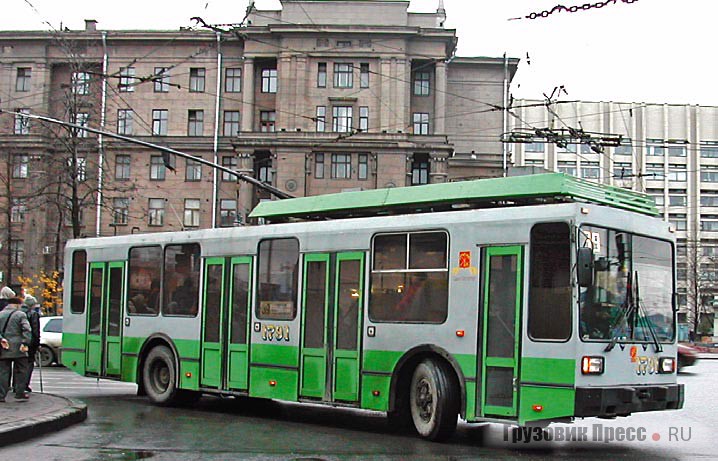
<point>592,365</point>
<point>667,365</point>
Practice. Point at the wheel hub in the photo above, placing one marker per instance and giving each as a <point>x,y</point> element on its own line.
<point>424,400</point>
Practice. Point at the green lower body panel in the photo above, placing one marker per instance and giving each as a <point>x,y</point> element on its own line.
<point>73,352</point>
<point>273,383</point>
<point>547,389</point>
<point>375,392</point>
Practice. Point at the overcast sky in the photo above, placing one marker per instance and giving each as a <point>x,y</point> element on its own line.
<point>648,51</point>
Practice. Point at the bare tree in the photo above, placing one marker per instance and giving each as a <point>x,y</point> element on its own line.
<point>701,269</point>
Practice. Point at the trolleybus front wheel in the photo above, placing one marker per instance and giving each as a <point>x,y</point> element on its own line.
<point>434,400</point>
<point>160,379</point>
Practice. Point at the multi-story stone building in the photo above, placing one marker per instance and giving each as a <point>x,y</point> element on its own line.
<point>314,98</point>
<point>667,151</point>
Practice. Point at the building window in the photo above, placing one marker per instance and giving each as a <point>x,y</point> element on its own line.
<point>319,166</point>
<point>322,42</point>
<point>421,123</point>
<point>196,79</point>
<point>343,75</point>
<point>22,123</point>
<point>363,170</point>
<point>322,75</point>
<point>120,210</point>
<point>420,169</point>
<point>679,221</point>
<point>568,149</point>
<point>657,195</point>
<point>80,83</point>
<point>342,119</point>
<point>22,82</point>
<point>159,122</point>
<point>364,43</point>
<point>364,119</point>
<point>678,149</point>
<point>80,169</point>
<point>233,80</point>
<point>124,121</point>
<point>191,212</point>
<point>677,198</point>
<point>227,212</point>
<point>195,122</point>
<point>231,123</point>
<point>193,171</point>
<point>624,148</point>
<point>230,162</point>
<point>20,166</point>
<point>267,121</point>
<point>677,173</point>
<point>709,149</point>
<point>364,75</point>
<point>122,167</point>
<point>162,80</point>
<point>156,212</point>
<point>321,119</point>
<point>344,43</point>
<point>622,170</point>
<point>269,80</point>
<point>341,166</point>
<point>17,211</point>
<point>127,79</point>
<point>534,147</point>
<point>81,119</point>
<point>17,252</point>
<point>590,170</point>
<point>655,147</point>
<point>157,168</point>
<point>654,171</point>
<point>709,174</point>
<point>421,83</point>
<point>567,167</point>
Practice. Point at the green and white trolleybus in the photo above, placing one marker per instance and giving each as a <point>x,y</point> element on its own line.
<point>524,300</point>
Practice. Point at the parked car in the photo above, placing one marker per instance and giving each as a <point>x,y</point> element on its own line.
<point>687,356</point>
<point>50,341</point>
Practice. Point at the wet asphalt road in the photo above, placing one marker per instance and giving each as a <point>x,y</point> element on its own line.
<point>122,426</point>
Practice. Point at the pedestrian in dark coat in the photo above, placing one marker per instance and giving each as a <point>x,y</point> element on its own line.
<point>33,316</point>
<point>15,338</point>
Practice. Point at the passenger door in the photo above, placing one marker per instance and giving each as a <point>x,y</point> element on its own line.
<point>331,325</point>
<point>212,321</point>
<point>240,286</point>
<point>104,326</point>
<point>502,274</point>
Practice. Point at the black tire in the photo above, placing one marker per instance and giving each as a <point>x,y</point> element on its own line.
<point>159,377</point>
<point>434,400</point>
<point>44,357</point>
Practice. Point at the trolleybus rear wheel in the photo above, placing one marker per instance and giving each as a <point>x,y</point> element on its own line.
<point>434,400</point>
<point>160,376</point>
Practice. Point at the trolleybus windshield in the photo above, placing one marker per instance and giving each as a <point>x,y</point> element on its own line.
<point>613,308</point>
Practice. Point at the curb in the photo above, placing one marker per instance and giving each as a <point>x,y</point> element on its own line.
<point>75,412</point>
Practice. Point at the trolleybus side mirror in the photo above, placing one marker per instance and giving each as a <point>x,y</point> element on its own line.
<point>585,267</point>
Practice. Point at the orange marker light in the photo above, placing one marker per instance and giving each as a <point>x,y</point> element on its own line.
<point>375,393</point>
<point>272,383</point>
<point>188,375</point>
<point>460,333</point>
<point>537,407</point>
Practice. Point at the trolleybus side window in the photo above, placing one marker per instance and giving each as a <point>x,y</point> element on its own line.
<point>550,289</point>
<point>181,280</point>
<point>277,279</point>
<point>79,280</point>
<point>410,278</point>
<point>144,280</point>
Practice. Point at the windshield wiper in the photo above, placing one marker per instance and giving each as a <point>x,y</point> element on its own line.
<point>627,307</point>
<point>646,321</point>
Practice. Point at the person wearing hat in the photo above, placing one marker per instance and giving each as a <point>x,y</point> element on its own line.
<point>30,308</point>
<point>15,338</point>
<point>5,294</point>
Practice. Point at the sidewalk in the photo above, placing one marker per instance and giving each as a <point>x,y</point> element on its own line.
<point>41,414</point>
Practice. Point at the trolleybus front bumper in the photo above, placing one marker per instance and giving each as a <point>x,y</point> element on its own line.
<point>624,400</point>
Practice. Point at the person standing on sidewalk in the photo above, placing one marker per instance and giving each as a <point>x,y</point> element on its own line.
<point>15,337</point>
<point>5,294</point>
<point>29,307</point>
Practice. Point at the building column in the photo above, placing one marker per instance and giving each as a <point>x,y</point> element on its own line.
<point>248,95</point>
<point>438,167</point>
<point>385,94</point>
<point>245,165</point>
<point>440,98</point>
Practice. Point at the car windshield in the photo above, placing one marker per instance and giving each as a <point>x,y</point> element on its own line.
<point>53,326</point>
<point>631,298</point>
